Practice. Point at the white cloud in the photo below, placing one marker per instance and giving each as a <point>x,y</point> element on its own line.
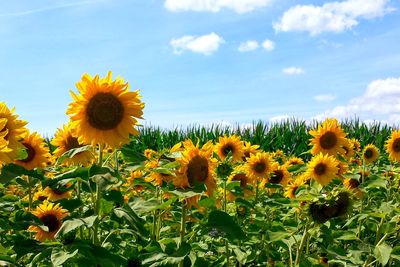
<point>268,45</point>
<point>324,98</point>
<point>331,17</point>
<point>380,101</point>
<point>248,46</point>
<point>204,44</point>
<point>239,6</point>
<point>293,71</point>
<point>279,118</point>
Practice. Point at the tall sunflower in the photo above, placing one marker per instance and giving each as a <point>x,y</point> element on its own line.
<point>323,168</point>
<point>348,149</point>
<point>13,131</point>
<point>370,154</point>
<point>249,149</point>
<point>196,166</point>
<point>258,167</point>
<point>51,216</point>
<point>279,175</point>
<point>37,152</point>
<point>393,146</point>
<point>329,138</point>
<point>65,140</point>
<point>105,111</point>
<point>230,144</point>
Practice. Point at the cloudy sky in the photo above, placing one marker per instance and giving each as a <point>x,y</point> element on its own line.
<point>205,61</point>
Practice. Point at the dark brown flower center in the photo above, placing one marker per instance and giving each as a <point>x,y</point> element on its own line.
<point>104,111</point>
<point>276,177</point>
<point>320,169</point>
<point>396,145</point>
<point>369,153</point>
<point>51,221</point>
<point>30,151</point>
<point>353,183</point>
<point>57,191</point>
<point>197,170</point>
<point>346,150</point>
<point>242,178</point>
<point>259,167</point>
<point>328,140</point>
<point>227,148</point>
<point>71,143</point>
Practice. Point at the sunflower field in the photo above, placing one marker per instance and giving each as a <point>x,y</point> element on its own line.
<point>106,192</point>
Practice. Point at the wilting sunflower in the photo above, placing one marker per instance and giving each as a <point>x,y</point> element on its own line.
<point>323,168</point>
<point>230,144</point>
<point>258,167</point>
<point>393,146</point>
<point>196,166</point>
<point>13,132</point>
<point>51,216</point>
<point>105,111</point>
<point>36,150</point>
<point>329,138</point>
<point>370,154</point>
<point>65,140</point>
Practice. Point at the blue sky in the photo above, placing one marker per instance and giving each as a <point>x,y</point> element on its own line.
<point>205,61</point>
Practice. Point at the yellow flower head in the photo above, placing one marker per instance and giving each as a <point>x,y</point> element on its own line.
<point>370,154</point>
<point>230,144</point>
<point>65,140</point>
<point>37,152</point>
<point>329,138</point>
<point>393,146</point>
<point>258,166</point>
<point>51,216</point>
<point>323,168</point>
<point>105,111</point>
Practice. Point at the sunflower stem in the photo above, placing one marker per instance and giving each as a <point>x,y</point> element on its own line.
<point>97,200</point>
<point>224,195</point>
<point>29,193</point>
<point>302,243</point>
<point>183,228</point>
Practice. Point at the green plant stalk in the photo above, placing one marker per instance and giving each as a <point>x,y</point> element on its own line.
<point>378,241</point>
<point>97,200</point>
<point>183,228</point>
<point>224,195</point>
<point>78,193</point>
<point>302,243</point>
<point>155,216</point>
<point>30,197</point>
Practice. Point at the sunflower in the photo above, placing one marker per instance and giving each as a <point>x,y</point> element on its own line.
<point>279,156</point>
<point>65,140</point>
<point>393,146</point>
<point>249,149</point>
<point>55,194</point>
<point>230,144</point>
<point>329,138</point>
<point>239,175</point>
<point>356,144</point>
<point>370,154</point>
<point>157,177</point>
<point>12,130</point>
<point>353,185</point>
<point>105,111</point>
<point>196,166</point>
<point>3,144</point>
<point>323,168</point>
<point>37,152</point>
<point>279,175</point>
<point>51,216</point>
<point>258,167</point>
<point>348,149</point>
<point>292,186</point>
<point>135,189</point>
<point>292,161</point>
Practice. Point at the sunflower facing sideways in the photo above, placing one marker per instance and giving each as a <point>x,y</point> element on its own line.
<point>65,140</point>
<point>323,168</point>
<point>240,176</point>
<point>105,112</point>
<point>51,216</point>
<point>393,146</point>
<point>370,154</point>
<point>329,138</point>
<point>230,144</point>
<point>37,152</point>
<point>196,166</point>
<point>13,132</point>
